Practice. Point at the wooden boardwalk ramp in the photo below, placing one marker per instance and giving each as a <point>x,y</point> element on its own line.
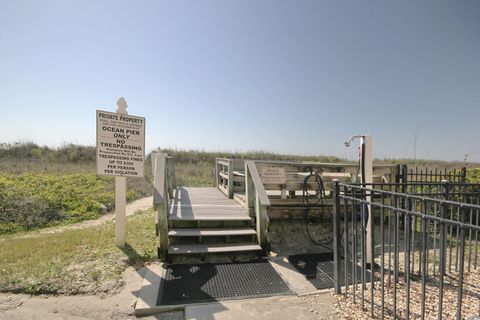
<point>203,220</point>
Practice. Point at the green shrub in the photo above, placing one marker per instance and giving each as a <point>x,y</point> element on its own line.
<point>473,175</point>
<point>37,200</point>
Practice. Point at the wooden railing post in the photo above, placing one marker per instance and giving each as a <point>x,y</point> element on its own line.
<point>160,202</point>
<point>261,220</point>
<point>230,179</point>
<point>257,197</point>
<point>171,179</point>
<point>249,188</point>
<point>217,178</point>
<point>154,156</point>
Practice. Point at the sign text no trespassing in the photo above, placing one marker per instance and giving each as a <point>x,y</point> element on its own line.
<point>120,144</point>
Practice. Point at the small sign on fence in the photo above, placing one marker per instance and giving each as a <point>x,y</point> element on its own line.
<point>273,175</point>
<point>120,144</point>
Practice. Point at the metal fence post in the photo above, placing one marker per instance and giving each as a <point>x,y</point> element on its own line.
<point>404,173</point>
<point>398,174</point>
<point>446,189</point>
<point>336,236</point>
<point>442,262</point>
<point>464,174</point>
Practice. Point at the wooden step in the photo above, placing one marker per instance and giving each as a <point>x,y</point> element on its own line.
<point>192,232</point>
<point>211,248</point>
<point>213,217</point>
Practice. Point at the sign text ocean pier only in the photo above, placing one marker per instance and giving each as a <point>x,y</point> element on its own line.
<point>120,153</point>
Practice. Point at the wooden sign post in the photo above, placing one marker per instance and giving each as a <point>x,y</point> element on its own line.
<point>120,153</point>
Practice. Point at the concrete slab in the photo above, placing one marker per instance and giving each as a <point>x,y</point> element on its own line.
<point>297,281</point>
<point>170,315</point>
<point>272,308</point>
<point>148,295</point>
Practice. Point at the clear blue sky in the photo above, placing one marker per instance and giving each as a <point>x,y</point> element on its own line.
<point>284,76</point>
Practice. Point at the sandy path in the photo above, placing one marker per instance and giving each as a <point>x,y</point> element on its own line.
<point>132,207</point>
<point>116,305</point>
<point>111,306</point>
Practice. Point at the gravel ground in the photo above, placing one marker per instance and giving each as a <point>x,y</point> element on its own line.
<point>470,301</point>
<point>290,238</point>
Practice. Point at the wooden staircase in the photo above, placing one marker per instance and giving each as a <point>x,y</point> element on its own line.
<point>204,221</point>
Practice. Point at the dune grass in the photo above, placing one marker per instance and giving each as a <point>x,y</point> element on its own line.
<point>42,186</point>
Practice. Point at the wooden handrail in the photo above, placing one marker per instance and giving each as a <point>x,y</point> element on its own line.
<point>163,186</point>
<point>257,183</point>
<point>223,162</point>
<point>257,199</point>
<point>336,165</point>
<point>159,178</point>
<point>164,180</point>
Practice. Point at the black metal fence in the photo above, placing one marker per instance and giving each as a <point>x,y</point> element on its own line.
<point>408,175</point>
<point>423,243</point>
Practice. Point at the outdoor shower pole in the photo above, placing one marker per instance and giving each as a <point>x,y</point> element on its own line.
<point>366,178</point>
<point>367,169</point>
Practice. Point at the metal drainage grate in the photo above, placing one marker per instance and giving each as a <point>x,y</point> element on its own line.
<point>190,283</point>
<point>318,269</point>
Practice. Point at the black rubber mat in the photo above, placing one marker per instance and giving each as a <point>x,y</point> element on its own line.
<point>192,283</point>
<point>318,269</point>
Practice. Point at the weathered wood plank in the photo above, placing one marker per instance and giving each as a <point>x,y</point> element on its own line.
<point>194,204</point>
<point>162,230</point>
<point>160,202</point>
<point>249,189</point>
<point>159,179</point>
<point>223,190</point>
<point>240,198</point>
<point>239,173</point>
<point>212,248</point>
<point>192,232</point>
<point>257,183</point>
<point>261,224</point>
<point>223,175</point>
<point>223,162</point>
<point>210,217</point>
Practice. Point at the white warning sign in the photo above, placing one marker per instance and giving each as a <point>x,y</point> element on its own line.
<point>120,144</point>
